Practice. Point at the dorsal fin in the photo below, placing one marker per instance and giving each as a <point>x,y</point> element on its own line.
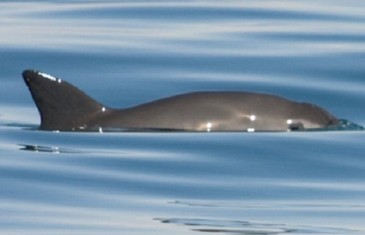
<point>61,105</point>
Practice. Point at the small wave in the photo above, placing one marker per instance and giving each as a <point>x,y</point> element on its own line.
<point>342,125</point>
<point>46,149</point>
<point>347,125</point>
<point>24,126</point>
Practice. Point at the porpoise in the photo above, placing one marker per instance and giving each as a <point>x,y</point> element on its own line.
<point>63,107</point>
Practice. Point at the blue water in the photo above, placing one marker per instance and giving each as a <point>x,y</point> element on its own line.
<point>124,53</point>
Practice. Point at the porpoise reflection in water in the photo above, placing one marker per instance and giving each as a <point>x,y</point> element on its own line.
<point>63,107</point>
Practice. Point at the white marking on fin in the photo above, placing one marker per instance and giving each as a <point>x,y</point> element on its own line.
<point>50,77</point>
<point>103,109</point>
<point>253,118</point>
<point>100,129</point>
<point>250,129</point>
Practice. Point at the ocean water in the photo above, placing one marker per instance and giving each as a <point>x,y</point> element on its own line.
<point>125,53</point>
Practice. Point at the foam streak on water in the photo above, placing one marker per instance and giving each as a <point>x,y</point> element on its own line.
<point>124,53</point>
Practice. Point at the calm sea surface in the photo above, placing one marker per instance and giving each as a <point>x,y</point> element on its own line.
<point>125,53</point>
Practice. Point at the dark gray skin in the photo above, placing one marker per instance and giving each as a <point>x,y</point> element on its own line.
<point>64,107</point>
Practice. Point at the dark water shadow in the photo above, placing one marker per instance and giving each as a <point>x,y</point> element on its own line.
<point>251,228</point>
<point>228,227</point>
